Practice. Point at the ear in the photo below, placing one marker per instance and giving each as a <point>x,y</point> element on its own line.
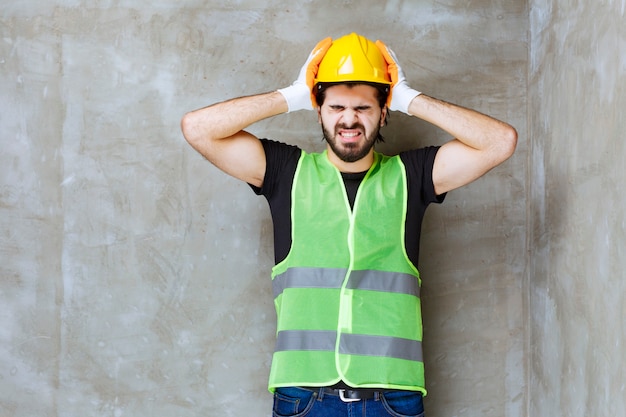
<point>383,116</point>
<point>319,115</point>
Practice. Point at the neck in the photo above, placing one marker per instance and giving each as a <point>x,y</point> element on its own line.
<point>361,165</point>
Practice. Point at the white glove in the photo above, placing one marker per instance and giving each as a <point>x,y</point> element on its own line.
<point>299,95</point>
<point>401,94</point>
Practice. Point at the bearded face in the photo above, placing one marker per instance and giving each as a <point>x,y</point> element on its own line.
<point>350,143</point>
<point>351,119</point>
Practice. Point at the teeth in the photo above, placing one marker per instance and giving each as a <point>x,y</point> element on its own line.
<point>349,135</point>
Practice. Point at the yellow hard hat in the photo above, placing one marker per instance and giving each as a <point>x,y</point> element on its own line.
<point>353,58</point>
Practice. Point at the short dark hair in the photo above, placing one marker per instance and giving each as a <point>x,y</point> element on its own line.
<point>382,90</point>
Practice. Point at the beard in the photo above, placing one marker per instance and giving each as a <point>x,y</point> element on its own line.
<point>350,152</point>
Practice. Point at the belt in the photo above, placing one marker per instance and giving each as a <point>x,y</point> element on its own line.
<point>348,395</point>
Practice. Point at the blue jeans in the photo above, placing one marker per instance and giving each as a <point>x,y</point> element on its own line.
<point>298,402</point>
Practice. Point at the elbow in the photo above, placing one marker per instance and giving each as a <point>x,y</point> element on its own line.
<point>188,127</point>
<point>192,126</point>
<point>511,139</point>
<point>508,142</point>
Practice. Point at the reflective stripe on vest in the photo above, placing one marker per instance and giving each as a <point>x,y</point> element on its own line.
<point>351,344</point>
<point>333,278</point>
<point>347,296</point>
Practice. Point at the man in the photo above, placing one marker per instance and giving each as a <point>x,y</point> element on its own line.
<point>347,223</point>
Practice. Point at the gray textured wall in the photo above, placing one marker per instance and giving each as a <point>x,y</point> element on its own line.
<point>134,276</point>
<point>577,228</point>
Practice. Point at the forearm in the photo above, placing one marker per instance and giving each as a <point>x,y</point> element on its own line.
<point>470,127</point>
<point>225,119</point>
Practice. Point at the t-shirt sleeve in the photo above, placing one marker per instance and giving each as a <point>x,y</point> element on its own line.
<point>282,161</point>
<point>279,158</point>
<point>419,164</point>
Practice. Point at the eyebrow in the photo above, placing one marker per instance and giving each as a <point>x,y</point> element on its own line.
<point>359,107</point>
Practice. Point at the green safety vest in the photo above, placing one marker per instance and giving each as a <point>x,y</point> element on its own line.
<point>347,295</point>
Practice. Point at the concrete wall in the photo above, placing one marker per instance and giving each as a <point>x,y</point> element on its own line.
<point>134,276</point>
<point>577,319</point>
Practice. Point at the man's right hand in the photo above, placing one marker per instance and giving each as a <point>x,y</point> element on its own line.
<point>299,95</point>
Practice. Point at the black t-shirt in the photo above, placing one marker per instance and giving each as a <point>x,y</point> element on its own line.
<point>282,160</point>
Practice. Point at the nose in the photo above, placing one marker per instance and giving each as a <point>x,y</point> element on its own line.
<point>350,116</point>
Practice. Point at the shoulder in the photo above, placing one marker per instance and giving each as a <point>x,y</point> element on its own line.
<point>419,165</point>
<point>419,161</point>
<point>419,155</point>
<point>281,161</point>
<point>274,146</point>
